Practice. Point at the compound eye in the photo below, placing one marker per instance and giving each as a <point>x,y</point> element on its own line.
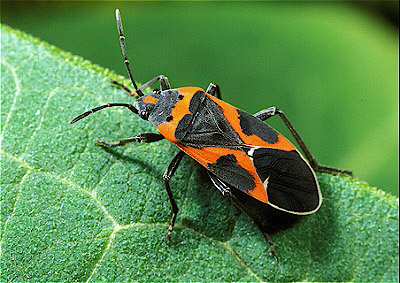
<point>144,115</point>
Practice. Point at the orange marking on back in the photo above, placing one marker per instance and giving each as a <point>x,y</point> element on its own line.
<point>189,90</point>
<point>283,144</point>
<point>232,116</point>
<point>211,154</point>
<point>150,99</point>
<point>167,129</point>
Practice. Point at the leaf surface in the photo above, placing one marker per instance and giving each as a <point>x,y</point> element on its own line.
<point>72,211</point>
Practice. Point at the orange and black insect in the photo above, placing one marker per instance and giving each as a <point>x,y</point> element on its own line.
<point>246,159</point>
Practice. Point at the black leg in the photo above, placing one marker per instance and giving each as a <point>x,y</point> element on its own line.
<point>231,193</point>
<point>147,137</point>
<point>272,111</point>
<point>125,88</point>
<point>163,82</point>
<point>268,240</point>
<point>167,176</point>
<point>214,90</point>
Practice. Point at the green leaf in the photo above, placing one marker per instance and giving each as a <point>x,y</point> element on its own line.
<point>72,211</point>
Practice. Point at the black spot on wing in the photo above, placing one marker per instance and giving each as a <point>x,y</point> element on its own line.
<point>183,125</point>
<point>253,126</point>
<point>210,127</point>
<point>291,184</point>
<point>227,169</point>
<point>196,101</point>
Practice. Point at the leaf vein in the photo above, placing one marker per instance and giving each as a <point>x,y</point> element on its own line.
<point>13,211</point>
<point>224,245</point>
<point>35,131</point>
<point>64,181</point>
<point>17,94</point>
<point>19,268</point>
<point>88,133</point>
<point>103,254</point>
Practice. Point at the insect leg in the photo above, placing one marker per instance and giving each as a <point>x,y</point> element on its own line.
<point>125,88</point>
<point>163,82</point>
<point>231,193</point>
<point>146,137</point>
<point>214,90</point>
<point>268,240</point>
<point>167,176</point>
<point>272,111</point>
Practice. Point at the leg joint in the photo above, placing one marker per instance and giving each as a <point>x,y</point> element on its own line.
<point>166,177</point>
<point>164,83</point>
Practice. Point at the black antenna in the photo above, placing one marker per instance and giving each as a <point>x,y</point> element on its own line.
<point>126,61</point>
<point>87,113</point>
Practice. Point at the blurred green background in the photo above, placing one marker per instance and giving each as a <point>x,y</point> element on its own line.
<point>331,66</point>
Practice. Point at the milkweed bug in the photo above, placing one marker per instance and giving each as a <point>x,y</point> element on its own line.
<point>247,160</point>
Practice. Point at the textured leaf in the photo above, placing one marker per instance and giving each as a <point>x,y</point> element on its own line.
<point>72,211</point>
